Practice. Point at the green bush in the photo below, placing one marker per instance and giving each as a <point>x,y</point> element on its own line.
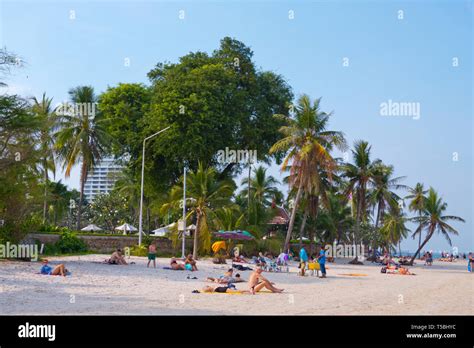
<point>69,243</point>
<point>15,231</point>
<point>139,250</point>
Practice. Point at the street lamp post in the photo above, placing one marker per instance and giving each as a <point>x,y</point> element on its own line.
<point>140,221</point>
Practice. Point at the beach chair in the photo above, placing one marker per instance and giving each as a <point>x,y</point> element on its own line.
<point>270,265</point>
<point>314,267</point>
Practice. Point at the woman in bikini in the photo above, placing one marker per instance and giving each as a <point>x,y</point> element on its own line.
<point>175,265</point>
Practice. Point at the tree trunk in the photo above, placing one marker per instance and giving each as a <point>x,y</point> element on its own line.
<point>45,202</point>
<point>357,225</point>
<point>196,236</point>
<point>286,247</point>
<point>428,237</point>
<point>81,195</point>
<point>303,225</point>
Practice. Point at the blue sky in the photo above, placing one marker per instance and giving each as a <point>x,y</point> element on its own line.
<point>403,60</point>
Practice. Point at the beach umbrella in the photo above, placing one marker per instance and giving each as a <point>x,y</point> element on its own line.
<point>126,228</point>
<point>91,227</point>
<point>235,235</point>
<point>218,246</point>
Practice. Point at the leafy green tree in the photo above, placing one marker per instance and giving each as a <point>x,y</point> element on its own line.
<point>109,210</point>
<point>82,137</point>
<point>124,107</point>
<point>212,101</point>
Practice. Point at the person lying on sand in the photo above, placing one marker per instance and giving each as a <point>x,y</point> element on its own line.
<point>257,282</point>
<point>396,270</point>
<point>226,278</point>
<point>58,270</point>
<point>175,265</point>
<point>226,289</point>
<point>190,263</point>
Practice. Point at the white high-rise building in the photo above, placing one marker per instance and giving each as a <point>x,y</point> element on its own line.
<point>101,178</point>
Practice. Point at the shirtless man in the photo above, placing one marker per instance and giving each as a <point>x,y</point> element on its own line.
<point>257,282</point>
<point>118,258</point>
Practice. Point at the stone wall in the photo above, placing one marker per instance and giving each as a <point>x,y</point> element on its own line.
<point>107,244</point>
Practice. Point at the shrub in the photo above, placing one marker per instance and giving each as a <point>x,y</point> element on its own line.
<point>139,250</point>
<point>69,243</point>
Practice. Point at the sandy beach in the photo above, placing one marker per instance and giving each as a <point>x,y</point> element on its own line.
<point>100,289</point>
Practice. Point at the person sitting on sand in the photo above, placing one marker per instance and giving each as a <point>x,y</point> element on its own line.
<point>190,263</point>
<point>151,255</point>
<point>58,270</point>
<point>116,258</point>
<point>257,282</point>
<point>239,258</point>
<point>175,265</point>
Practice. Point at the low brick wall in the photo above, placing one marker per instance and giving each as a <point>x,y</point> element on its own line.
<point>107,244</point>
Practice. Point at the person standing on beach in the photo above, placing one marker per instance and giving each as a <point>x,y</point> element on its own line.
<point>322,261</point>
<point>303,260</point>
<point>151,255</point>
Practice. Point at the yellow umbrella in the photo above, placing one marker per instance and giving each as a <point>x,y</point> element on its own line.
<point>218,246</point>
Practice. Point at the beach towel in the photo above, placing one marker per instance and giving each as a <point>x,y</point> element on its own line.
<point>236,293</point>
<point>169,268</point>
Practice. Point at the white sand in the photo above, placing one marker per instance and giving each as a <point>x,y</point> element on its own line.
<point>444,288</point>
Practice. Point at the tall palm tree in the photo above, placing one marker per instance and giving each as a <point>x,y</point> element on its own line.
<point>307,144</point>
<point>433,220</point>
<point>47,118</point>
<point>229,218</point>
<point>262,190</point>
<point>394,227</point>
<point>417,203</point>
<point>81,137</point>
<point>206,194</point>
<point>382,193</point>
<point>361,175</point>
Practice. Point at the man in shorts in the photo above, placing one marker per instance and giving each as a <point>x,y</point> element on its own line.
<point>152,254</point>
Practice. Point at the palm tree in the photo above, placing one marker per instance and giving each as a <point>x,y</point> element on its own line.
<point>417,203</point>
<point>206,193</point>
<point>307,144</point>
<point>394,227</point>
<point>382,194</point>
<point>262,190</point>
<point>229,218</point>
<point>361,175</point>
<point>433,220</point>
<point>82,137</point>
<point>47,117</point>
